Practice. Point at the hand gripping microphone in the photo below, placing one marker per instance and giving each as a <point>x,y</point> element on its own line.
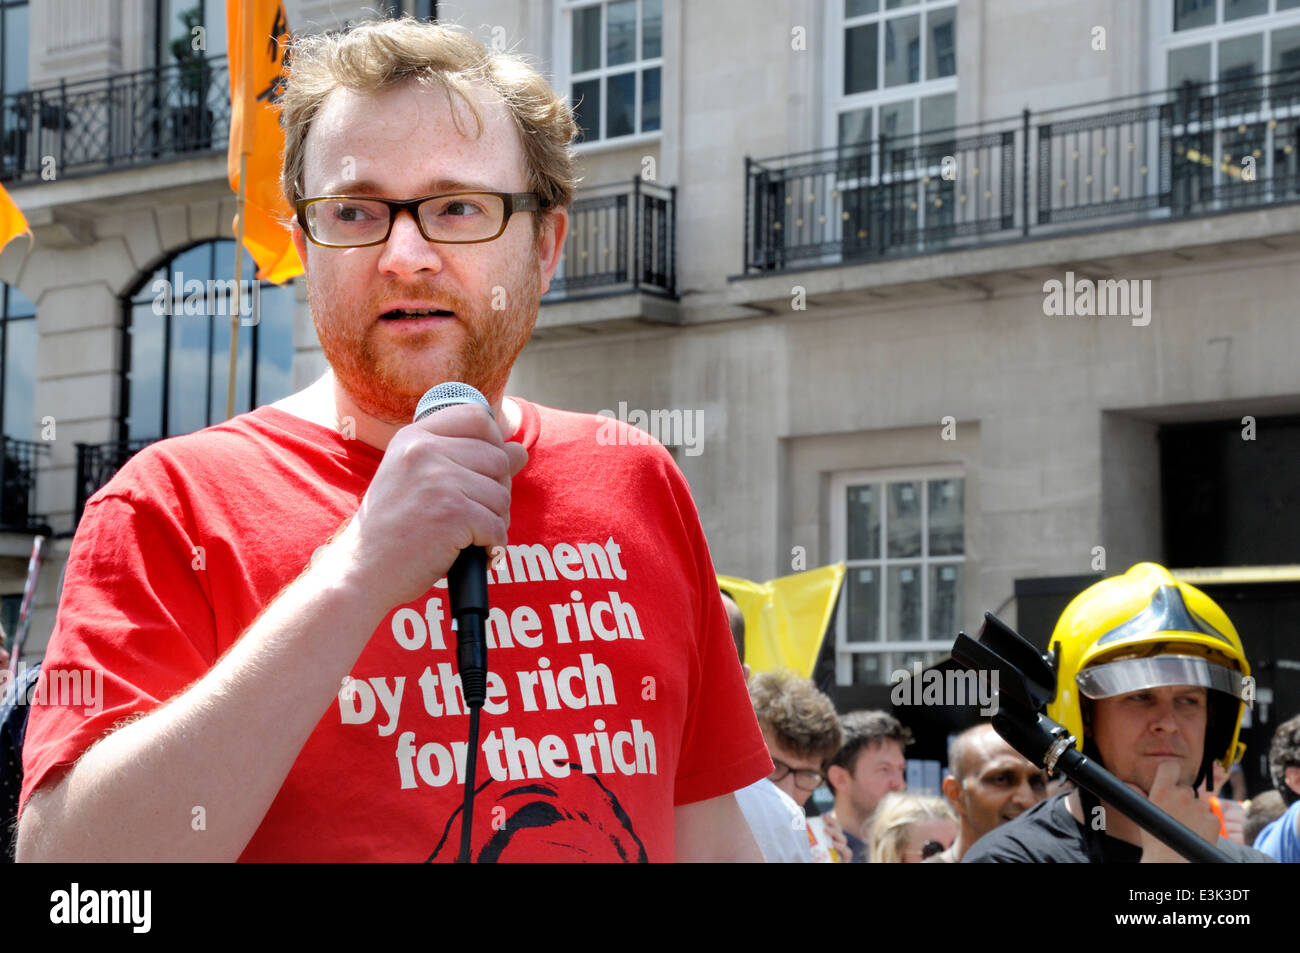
<point>468,597</point>
<point>467,577</point>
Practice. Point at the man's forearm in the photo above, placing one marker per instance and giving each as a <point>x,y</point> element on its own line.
<point>226,744</point>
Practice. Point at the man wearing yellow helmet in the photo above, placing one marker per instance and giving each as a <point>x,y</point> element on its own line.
<point>1151,680</point>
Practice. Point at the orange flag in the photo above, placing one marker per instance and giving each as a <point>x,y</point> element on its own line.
<point>12,221</point>
<point>257,78</point>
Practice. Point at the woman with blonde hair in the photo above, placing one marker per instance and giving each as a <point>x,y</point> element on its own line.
<point>908,828</point>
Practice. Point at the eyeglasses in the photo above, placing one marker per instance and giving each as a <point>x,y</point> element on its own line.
<point>804,778</point>
<point>456,218</point>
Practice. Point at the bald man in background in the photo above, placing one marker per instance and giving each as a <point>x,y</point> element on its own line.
<point>988,784</point>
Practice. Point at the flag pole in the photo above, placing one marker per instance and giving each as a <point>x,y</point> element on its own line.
<point>245,139</point>
<point>239,293</point>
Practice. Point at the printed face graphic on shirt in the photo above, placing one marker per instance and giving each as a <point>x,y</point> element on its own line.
<point>526,821</point>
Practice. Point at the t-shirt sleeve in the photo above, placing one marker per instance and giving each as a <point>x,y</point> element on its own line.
<point>1001,846</point>
<point>134,627</point>
<point>1000,851</point>
<point>1242,854</point>
<point>722,747</point>
<point>777,823</point>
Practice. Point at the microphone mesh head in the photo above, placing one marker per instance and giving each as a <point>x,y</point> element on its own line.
<point>446,395</point>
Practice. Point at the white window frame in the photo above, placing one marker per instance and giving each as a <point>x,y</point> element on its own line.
<point>1165,40</point>
<point>840,482</point>
<point>833,79</point>
<point>564,76</point>
<point>838,103</point>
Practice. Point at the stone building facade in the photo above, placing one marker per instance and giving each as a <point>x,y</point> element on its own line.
<point>829,233</point>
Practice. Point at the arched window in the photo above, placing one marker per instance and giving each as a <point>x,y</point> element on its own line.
<point>176,347</point>
<point>17,363</point>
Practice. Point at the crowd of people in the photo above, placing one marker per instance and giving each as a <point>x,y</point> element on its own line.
<point>1159,671</point>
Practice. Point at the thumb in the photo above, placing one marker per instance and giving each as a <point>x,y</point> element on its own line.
<point>517,455</point>
<point>1166,779</point>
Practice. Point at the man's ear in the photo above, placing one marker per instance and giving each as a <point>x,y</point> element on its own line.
<point>837,777</point>
<point>299,240</point>
<point>550,244</point>
<point>951,788</point>
<point>1291,778</point>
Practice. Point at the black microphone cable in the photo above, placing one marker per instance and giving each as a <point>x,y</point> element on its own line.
<point>468,598</point>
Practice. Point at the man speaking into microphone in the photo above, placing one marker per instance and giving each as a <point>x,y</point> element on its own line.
<point>265,597</point>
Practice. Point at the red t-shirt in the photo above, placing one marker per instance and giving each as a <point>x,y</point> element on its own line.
<point>615,691</point>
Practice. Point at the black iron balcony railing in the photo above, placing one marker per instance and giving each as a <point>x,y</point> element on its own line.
<point>18,485</point>
<point>622,237</point>
<point>1159,156</point>
<point>97,462</point>
<point>119,121</point>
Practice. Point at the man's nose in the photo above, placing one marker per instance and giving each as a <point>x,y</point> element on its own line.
<point>1163,718</point>
<point>1024,794</point>
<point>407,251</point>
<point>898,783</point>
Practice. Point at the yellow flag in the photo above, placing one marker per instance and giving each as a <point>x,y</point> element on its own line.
<point>257,78</point>
<point>12,221</point>
<point>786,619</point>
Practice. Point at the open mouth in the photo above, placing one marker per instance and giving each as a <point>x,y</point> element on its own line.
<point>406,314</point>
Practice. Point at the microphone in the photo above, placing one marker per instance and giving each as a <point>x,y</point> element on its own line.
<point>467,577</point>
<point>467,593</point>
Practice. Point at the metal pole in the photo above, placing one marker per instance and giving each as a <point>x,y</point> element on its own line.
<point>25,609</point>
<point>636,232</point>
<point>749,189</point>
<point>63,118</point>
<point>239,295</point>
<point>245,41</point>
<point>672,240</point>
<point>1024,177</point>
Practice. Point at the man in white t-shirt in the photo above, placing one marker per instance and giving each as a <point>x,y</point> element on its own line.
<point>774,809</point>
<point>802,732</point>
